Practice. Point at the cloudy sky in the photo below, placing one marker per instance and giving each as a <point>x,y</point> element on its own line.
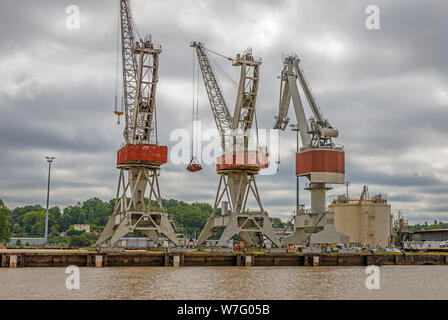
<point>385,90</point>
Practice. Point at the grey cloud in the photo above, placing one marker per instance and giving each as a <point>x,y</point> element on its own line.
<point>386,92</point>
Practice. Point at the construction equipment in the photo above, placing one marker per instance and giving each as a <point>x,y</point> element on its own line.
<point>401,231</point>
<point>319,159</point>
<point>141,157</point>
<point>194,165</point>
<point>238,166</point>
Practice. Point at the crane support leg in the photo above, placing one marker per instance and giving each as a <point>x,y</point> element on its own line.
<point>132,214</point>
<point>251,226</point>
<point>152,234</point>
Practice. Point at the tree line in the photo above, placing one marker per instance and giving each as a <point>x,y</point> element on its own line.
<point>29,220</point>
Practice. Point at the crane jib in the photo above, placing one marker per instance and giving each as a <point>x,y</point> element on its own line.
<point>140,74</point>
<point>244,112</point>
<point>218,105</point>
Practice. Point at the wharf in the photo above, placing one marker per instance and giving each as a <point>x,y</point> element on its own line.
<point>131,258</point>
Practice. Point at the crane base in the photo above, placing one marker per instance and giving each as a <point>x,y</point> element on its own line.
<point>328,234</point>
<point>249,227</point>
<point>133,213</point>
<point>151,224</point>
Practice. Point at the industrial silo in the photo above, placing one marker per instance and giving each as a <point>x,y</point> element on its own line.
<point>365,220</point>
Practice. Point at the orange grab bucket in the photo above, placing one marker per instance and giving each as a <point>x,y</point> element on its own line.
<point>194,166</point>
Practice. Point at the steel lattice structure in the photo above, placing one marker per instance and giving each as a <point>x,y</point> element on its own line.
<point>219,107</point>
<point>238,166</point>
<point>141,157</point>
<point>129,64</point>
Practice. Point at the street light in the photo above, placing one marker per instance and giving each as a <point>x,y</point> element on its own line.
<point>347,183</point>
<point>49,160</point>
<point>295,127</point>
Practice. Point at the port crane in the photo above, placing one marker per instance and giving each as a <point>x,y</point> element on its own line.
<point>238,166</point>
<point>319,159</point>
<point>141,157</point>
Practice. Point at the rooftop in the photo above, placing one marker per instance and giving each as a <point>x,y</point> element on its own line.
<point>432,230</point>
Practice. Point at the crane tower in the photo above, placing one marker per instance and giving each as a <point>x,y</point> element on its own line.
<point>238,166</point>
<point>319,159</point>
<point>141,157</point>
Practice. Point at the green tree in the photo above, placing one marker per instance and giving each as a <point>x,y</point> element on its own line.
<point>17,229</point>
<point>54,230</point>
<point>96,212</point>
<point>5,234</point>
<point>77,241</point>
<point>18,213</point>
<point>188,217</point>
<point>34,222</point>
<point>72,232</point>
<point>277,222</point>
<point>54,219</point>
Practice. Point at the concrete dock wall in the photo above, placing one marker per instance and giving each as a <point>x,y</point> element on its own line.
<point>59,258</point>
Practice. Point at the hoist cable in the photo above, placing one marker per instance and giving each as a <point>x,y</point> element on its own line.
<point>197,90</point>
<point>193,101</point>
<point>218,54</point>
<point>256,127</point>
<point>224,74</point>
<point>117,61</point>
<point>196,151</point>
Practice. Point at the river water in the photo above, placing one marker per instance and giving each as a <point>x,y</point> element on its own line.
<point>396,282</point>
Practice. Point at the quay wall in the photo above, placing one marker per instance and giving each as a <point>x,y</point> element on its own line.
<point>63,258</point>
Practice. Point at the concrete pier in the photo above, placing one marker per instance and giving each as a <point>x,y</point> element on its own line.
<point>176,261</point>
<point>98,261</point>
<point>13,261</point>
<point>84,258</point>
<point>316,261</point>
<point>248,261</point>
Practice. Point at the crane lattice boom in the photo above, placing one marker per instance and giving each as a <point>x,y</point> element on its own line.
<point>129,62</point>
<point>232,127</point>
<point>220,111</point>
<point>140,70</point>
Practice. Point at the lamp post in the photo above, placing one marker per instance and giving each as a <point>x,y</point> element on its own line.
<point>295,127</point>
<point>347,183</point>
<point>49,160</point>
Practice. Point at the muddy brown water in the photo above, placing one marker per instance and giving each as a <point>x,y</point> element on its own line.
<point>396,282</point>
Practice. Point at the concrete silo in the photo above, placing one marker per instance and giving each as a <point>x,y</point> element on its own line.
<point>365,220</point>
